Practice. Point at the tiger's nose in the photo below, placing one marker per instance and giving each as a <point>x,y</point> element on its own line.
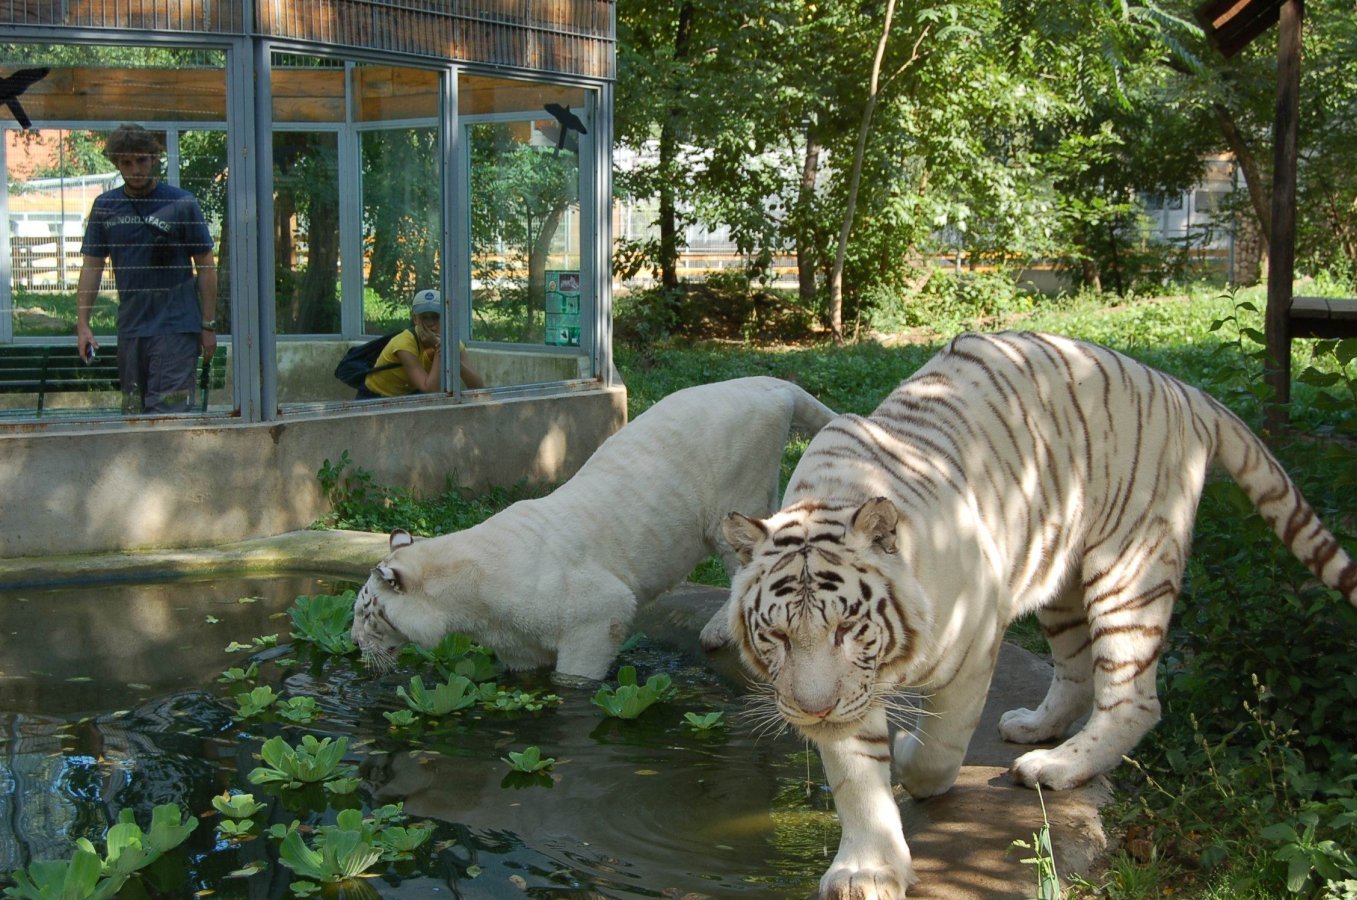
<point>820,713</point>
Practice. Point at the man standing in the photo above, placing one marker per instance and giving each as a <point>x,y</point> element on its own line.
<point>156,236</point>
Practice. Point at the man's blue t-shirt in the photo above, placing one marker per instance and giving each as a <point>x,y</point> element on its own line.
<point>151,241</point>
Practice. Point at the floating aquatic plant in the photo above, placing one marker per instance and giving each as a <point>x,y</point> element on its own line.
<point>530,760</point>
<point>629,699</point>
<point>325,620</point>
<point>458,692</point>
<point>312,761</point>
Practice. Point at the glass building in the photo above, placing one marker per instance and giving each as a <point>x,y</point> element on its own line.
<point>345,154</point>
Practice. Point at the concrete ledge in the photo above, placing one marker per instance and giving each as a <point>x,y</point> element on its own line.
<point>342,554</point>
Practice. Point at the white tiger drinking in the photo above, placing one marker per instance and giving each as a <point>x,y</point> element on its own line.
<point>1013,473</point>
<point>556,580</point>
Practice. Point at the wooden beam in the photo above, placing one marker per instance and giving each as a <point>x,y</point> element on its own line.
<point>1282,244</point>
<point>1231,25</point>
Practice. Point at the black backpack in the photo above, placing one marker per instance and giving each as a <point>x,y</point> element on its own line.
<point>361,361</point>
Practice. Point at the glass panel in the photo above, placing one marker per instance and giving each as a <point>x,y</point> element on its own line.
<point>306,231</point>
<point>402,216</point>
<point>64,197</point>
<point>530,295</point>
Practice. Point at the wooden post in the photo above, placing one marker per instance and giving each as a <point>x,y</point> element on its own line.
<point>1282,242</point>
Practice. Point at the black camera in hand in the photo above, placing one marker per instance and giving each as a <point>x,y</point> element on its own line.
<point>162,248</point>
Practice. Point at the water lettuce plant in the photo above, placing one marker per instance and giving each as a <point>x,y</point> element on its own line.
<point>88,874</point>
<point>704,721</point>
<point>349,848</point>
<point>236,810</point>
<point>530,760</point>
<point>325,621</point>
<point>255,702</point>
<point>312,761</point>
<point>458,692</point>
<point>628,700</point>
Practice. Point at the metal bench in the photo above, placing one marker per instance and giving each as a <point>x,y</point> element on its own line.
<point>43,369</point>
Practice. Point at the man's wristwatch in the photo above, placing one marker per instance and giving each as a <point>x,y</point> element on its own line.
<point>210,325</point>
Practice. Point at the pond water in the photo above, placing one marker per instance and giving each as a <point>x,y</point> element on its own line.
<point>110,698</point>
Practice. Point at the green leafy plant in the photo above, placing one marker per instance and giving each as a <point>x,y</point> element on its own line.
<point>1308,857</point>
<point>236,806</point>
<point>628,700</point>
<point>1042,859</point>
<point>530,760</point>
<point>256,702</point>
<point>302,710</point>
<point>236,674</point>
<point>312,761</point>
<point>498,699</point>
<point>78,878</point>
<point>705,721</point>
<point>88,874</point>
<point>325,620</point>
<point>401,718</point>
<point>350,847</point>
<point>340,853</point>
<point>236,810</point>
<point>456,654</point>
<point>458,692</point>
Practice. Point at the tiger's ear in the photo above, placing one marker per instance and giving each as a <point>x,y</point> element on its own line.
<point>742,533</point>
<point>390,575</point>
<point>876,520</point>
<point>400,538</point>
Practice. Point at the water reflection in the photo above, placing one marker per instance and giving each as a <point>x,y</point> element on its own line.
<point>109,699</point>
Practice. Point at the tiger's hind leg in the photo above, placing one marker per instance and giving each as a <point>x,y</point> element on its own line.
<point>1128,596</point>
<point>1071,692</point>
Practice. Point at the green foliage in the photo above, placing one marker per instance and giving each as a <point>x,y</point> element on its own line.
<point>236,675</point>
<point>340,853</point>
<point>529,761</point>
<point>458,692</point>
<point>256,702</point>
<point>88,874</point>
<point>358,503</point>
<point>325,621</point>
<point>628,700</point>
<point>314,760</point>
<point>1042,859</point>
<point>705,721</point>
<point>455,655</point>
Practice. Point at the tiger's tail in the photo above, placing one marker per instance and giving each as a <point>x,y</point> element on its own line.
<point>1277,499</point>
<point>808,414</point>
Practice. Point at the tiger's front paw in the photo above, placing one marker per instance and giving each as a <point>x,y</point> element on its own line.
<point>847,880</point>
<point>716,633</point>
<point>1027,726</point>
<point>1052,768</point>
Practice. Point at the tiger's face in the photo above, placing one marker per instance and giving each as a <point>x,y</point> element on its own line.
<point>818,610</point>
<point>373,631</point>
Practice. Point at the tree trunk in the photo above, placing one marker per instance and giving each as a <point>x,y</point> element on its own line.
<point>1248,163</point>
<point>805,235</point>
<point>668,213</point>
<point>854,180</point>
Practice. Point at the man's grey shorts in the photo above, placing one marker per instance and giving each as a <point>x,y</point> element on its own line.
<point>157,373</point>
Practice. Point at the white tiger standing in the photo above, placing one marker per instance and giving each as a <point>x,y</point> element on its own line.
<point>556,580</point>
<point>1013,473</point>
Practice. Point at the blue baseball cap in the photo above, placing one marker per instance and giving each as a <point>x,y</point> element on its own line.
<point>427,301</point>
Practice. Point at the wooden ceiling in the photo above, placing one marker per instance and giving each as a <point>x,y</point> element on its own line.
<point>1231,25</point>
<point>385,93</point>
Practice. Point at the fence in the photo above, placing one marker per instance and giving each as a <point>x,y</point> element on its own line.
<point>48,263</point>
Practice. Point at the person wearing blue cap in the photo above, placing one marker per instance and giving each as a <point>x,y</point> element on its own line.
<point>412,360</point>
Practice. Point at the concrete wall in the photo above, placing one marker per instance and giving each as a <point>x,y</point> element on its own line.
<point>165,486</point>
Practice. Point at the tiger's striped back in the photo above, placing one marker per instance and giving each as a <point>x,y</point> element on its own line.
<point>1013,473</point>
